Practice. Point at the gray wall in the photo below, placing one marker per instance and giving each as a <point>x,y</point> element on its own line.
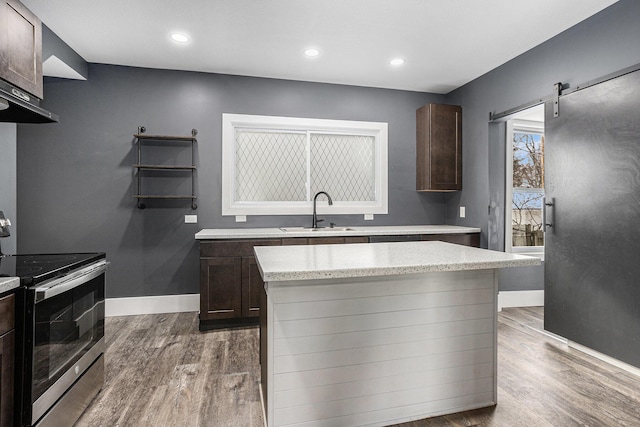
<point>602,44</point>
<point>76,180</point>
<point>8,175</point>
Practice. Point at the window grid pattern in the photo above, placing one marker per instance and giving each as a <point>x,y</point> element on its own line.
<point>274,167</point>
<point>343,166</point>
<point>270,166</point>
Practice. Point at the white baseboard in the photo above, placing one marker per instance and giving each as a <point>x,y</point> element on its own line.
<point>520,299</point>
<point>152,305</point>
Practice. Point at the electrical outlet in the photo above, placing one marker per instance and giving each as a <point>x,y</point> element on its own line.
<point>191,219</point>
<point>462,212</point>
<point>368,217</point>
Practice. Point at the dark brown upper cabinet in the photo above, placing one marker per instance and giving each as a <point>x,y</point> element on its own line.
<point>439,148</point>
<point>21,47</point>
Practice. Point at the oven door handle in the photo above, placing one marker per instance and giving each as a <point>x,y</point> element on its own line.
<point>64,284</point>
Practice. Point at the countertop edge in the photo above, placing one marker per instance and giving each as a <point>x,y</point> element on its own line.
<point>8,284</point>
<point>392,271</point>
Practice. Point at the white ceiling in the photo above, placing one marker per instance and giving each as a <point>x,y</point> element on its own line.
<point>446,43</point>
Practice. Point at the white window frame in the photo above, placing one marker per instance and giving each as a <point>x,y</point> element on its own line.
<point>516,125</point>
<point>231,122</point>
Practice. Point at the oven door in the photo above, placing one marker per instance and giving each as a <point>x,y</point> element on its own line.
<point>68,333</point>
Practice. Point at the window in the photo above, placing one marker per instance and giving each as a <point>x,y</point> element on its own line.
<point>525,186</point>
<point>275,165</point>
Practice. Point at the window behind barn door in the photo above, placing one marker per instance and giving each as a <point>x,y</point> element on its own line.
<point>525,186</point>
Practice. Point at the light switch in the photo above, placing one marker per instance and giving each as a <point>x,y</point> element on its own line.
<point>462,211</point>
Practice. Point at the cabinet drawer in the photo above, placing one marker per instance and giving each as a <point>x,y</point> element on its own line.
<point>7,313</point>
<point>326,240</point>
<point>295,241</point>
<point>356,239</point>
<point>468,239</point>
<point>233,248</point>
<point>396,238</point>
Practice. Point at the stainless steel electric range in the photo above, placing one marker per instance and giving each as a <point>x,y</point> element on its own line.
<point>59,334</point>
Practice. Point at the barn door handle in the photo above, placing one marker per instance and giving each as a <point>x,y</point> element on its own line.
<point>545,217</point>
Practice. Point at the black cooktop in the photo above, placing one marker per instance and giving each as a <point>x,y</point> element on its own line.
<point>32,269</point>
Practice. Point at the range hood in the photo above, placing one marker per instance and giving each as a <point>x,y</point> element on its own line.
<point>17,106</point>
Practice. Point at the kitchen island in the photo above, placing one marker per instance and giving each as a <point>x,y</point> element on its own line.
<point>378,333</point>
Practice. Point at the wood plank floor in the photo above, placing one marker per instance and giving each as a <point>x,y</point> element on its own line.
<point>162,372</point>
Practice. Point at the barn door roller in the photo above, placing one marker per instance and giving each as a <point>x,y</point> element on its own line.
<point>557,91</point>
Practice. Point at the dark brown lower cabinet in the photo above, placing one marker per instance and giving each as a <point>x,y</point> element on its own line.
<point>252,286</point>
<point>231,285</point>
<point>7,348</point>
<point>220,288</point>
<point>230,282</point>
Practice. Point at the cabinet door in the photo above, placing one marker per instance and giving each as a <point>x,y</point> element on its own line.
<point>7,342</point>
<point>7,313</point>
<point>439,148</point>
<point>220,288</point>
<point>21,47</point>
<point>252,286</point>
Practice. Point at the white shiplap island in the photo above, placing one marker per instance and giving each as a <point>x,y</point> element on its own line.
<point>378,333</point>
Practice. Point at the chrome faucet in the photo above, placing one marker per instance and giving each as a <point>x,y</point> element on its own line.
<point>315,217</point>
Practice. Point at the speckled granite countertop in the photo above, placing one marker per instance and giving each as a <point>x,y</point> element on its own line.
<point>286,263</point>
<point>392,230</point>
<point>8,283</point>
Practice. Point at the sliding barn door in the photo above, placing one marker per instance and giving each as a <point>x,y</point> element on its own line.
<point>592,249</point>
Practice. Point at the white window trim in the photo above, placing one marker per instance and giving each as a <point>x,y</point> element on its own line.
<point>537,251</point>
<point>230,207</point>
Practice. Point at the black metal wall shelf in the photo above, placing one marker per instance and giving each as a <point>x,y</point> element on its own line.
<point>141,137</point>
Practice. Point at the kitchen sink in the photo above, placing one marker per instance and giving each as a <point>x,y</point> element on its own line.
<point>323,229</point>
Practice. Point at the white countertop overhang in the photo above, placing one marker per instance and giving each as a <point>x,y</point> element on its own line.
<point>259,233</point>
<point>290,263</point>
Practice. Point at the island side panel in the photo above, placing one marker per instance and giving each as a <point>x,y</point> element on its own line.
<point>264,392</point>
<point>381,350</point>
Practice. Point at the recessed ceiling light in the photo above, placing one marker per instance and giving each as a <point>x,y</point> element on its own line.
<point>312,52</point>
<point>180,37</point>
<point>397,61</point>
